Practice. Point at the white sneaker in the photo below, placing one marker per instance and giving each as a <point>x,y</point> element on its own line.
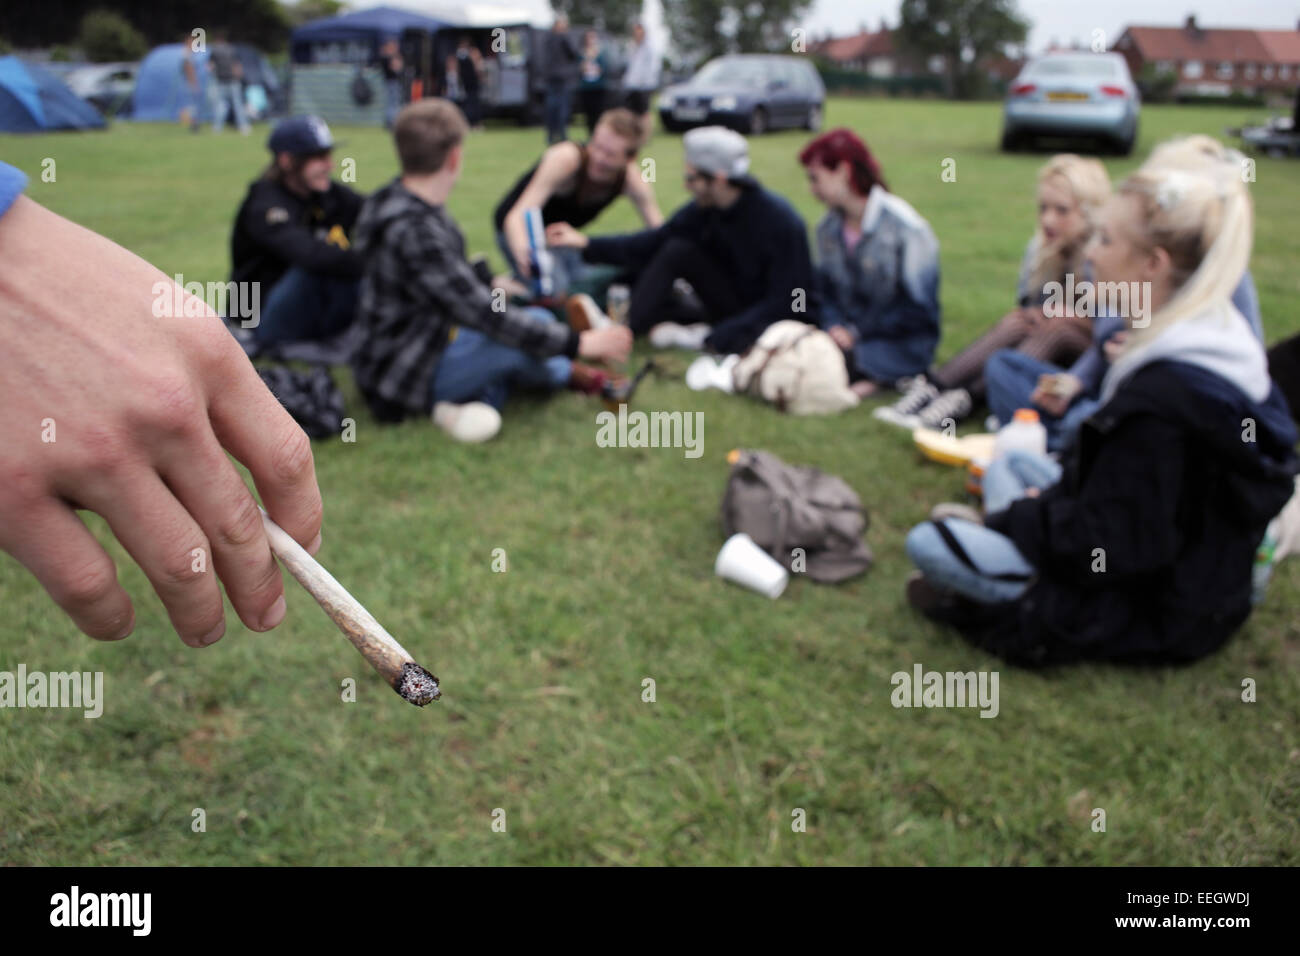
<point>672,335</point>
<point>472,422</point>
<point>705,372</point>
<point>951,406</point>
<point>905,412</point>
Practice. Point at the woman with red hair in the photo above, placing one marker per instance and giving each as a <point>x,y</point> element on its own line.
<point>877,265</point>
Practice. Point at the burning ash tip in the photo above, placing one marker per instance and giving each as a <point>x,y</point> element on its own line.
<point>417,685</point>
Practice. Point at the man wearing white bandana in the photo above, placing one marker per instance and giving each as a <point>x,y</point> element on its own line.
<point>743,252</point>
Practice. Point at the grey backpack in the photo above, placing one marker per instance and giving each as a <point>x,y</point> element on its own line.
<point>784,507</point>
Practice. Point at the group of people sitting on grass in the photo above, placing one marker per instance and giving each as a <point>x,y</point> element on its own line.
<point>714,275</point>
<point>1172,452</point>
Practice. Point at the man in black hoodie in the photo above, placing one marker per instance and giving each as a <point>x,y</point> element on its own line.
<point>743,251</point>
<point>291,238</point>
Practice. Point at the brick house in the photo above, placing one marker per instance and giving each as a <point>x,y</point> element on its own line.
<point>866,52</point>
<point>1209,59</point>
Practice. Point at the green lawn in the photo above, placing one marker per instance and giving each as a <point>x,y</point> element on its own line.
<point>761,707</point>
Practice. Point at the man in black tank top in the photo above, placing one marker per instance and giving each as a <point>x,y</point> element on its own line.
<point>573,183</point>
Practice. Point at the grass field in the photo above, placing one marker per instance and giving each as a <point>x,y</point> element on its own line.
<point>762,707</point>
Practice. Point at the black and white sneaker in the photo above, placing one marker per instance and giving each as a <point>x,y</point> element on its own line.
<point>950,406</point>
<point>905,412</point>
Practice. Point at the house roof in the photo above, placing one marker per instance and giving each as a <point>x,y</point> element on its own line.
<point>859,46</point>
<point>1216,45</point>
<point>1284,45</point>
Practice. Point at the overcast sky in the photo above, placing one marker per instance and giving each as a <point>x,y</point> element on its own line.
<point>1062,20</point>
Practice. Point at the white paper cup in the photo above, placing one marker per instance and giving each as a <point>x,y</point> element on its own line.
<point>748,565</point>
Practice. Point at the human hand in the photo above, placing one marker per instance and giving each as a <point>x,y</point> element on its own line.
<point>1035,318</point>
<point>842,336</point>
<point>1054,393</point>
<point>510,286</point>
<point>110,409</point>
<point>612,343</point>
<point>1113,347</point>
<point>562,234</point>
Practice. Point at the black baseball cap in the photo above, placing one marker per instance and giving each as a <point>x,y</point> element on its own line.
<point>301,136</point>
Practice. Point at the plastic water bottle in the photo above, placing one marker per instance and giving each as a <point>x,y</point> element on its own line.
<point>543,279</point>
<point>1023,433</point>
<point>1263,569</point>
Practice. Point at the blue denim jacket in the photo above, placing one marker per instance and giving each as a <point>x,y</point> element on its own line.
<point>885,289</point>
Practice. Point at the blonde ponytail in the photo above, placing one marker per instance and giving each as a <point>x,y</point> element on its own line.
<point>1193,203</point>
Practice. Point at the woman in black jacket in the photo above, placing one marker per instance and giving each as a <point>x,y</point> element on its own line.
<point>1142,551</point>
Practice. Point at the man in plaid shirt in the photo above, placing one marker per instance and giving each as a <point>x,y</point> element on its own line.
<point>437,338</point>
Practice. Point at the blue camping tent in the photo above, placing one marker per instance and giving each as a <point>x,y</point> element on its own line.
<point>160,88</point>
<point>161,91</point>
<point>355,37</point>
<point>33,100</point>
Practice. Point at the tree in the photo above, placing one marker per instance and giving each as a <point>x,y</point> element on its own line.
<point>29,23</point>
<point>106,37</point>
<point>963,32</point>
<point>707,28</point>
<point>613,16</point>
<point>304,11</point>
<point>1155,84</point>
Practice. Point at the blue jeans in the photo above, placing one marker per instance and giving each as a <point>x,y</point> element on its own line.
<point>1009,476</point>
<point>477,368</point>
<point>558,107</point>
<point>392,101</point>
<point>1011,378</point>
<point>887,360</point>
<point>229,94</point>
<point>992,553</point>
<point>306,306</point>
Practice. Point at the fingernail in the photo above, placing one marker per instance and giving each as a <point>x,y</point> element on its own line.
<point>274,614</point>
<point>213,635</point>
<point>315,544</point>
<point>125,630</point>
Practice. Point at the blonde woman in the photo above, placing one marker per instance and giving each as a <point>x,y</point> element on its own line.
<point>1141,547</point>
<point>1071,191</point>
<point>1065,396</point>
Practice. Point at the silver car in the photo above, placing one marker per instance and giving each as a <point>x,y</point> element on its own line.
<point>1073,94</point>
